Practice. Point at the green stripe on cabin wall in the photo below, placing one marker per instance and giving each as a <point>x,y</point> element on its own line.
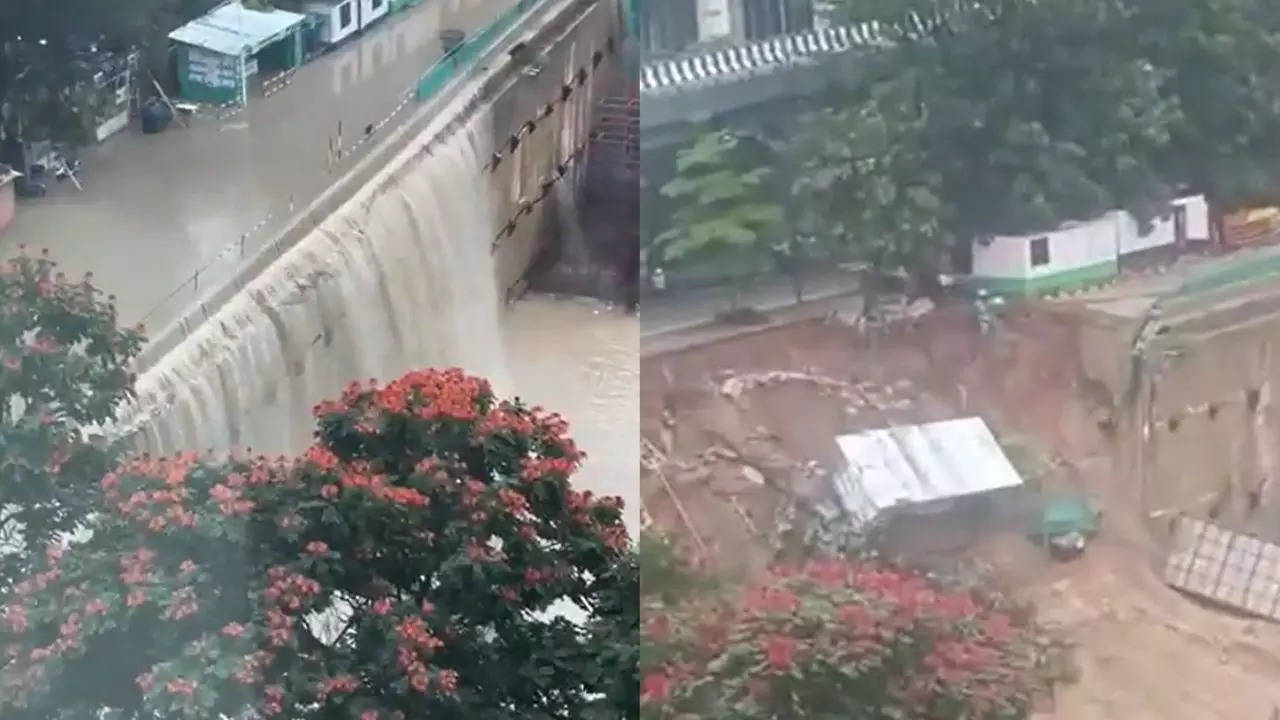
<point>190,90</point>
<point>1063,281</point>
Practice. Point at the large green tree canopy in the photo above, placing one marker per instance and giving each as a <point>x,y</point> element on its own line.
<point>1026,113</point>
<point>1012,116</point>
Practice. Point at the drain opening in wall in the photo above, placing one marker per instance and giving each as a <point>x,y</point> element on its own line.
<point>1251,398</point>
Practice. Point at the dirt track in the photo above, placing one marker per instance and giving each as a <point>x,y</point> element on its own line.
<point>1144,651</point>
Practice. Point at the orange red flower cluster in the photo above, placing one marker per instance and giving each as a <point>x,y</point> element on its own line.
<point>416,645</point>
<point>431,394</point>
<point>156,493</point>
<point>929,646</point>
<point>377,487</point>
<point>335,523</point>
<point>289,590</point>
<point>136,573</point>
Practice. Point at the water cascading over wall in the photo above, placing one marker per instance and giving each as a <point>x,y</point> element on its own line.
<point>401,276</point>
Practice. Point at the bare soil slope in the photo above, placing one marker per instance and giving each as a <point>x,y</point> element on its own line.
<point>739,431</point>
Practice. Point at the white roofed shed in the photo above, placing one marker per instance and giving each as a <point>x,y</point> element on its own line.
<point>219,51</point>
<point>919,469</point>
<point>232,29</point>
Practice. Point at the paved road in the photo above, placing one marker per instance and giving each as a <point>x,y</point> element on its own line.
<point>676,311</point>
<point>156,207</point>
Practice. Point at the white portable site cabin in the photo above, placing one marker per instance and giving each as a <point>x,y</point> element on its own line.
<point>924,487</point>
<point>1085,254</point>
<point>336,20</point>
<point>220,51</point>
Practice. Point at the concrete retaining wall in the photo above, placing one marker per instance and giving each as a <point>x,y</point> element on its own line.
<point>1213,427</point>
<point>564,54</point>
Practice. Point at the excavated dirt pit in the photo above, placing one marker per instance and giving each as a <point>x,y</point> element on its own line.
<point>739,433</point>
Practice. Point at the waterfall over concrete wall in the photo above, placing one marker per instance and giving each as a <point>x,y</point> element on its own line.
<point>401,276</point>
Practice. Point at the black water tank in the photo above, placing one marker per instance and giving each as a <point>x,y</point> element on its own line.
<point>156,116</point>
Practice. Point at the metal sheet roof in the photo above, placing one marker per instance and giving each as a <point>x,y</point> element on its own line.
<point>916,465</point>
<point>232,28</point>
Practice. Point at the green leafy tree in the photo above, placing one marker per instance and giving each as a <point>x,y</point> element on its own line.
<point>1011,117</point>
<point>1220,61</point>
<point>64,369</point>
<point>667,575</point>
<point>1001,117</point>
<point>724,212</point>
<point>841,639</point>
<point>863,172</point>
<point>405,566</point>
<point>615,644</point>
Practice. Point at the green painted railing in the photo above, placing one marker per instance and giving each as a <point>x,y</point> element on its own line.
<point>631,15</point>
<point>1223,278</point>
<point>463,56</point>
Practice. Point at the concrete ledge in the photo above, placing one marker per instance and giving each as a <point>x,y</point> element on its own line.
<point>668,342</point>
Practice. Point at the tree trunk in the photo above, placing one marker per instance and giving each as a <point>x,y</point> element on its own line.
<point>788,265</point>
<point>870,292</point>
<point>1217,226</point>
<point>797,284</point>
<point>4,78</point>
<point>925,283</point>
<point>871,287</point>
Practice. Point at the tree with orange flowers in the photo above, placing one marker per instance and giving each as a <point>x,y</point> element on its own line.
<point>64,367</point>
<point>407,565</point>
<point>841,639</point>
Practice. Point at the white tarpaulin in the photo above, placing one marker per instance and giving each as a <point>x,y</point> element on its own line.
<point>919,467</point>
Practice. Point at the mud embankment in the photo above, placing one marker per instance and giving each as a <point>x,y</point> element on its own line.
<point>808,382</point>
<point>737,431</point>
<point>1194,428</point>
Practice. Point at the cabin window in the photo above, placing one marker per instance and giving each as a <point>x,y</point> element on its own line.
<point>344,15</point>
<point>1040,252</point>
<point>375,4</point>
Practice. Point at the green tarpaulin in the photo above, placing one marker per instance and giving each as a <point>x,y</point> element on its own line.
<point>1062,515</point>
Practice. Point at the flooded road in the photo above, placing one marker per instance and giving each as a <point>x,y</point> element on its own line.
<point>399,278</point>
<point>156,207</point>
<point>580,358</point>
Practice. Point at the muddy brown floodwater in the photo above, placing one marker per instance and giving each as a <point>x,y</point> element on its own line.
<point>154,208</point>
<point>580,358</point>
